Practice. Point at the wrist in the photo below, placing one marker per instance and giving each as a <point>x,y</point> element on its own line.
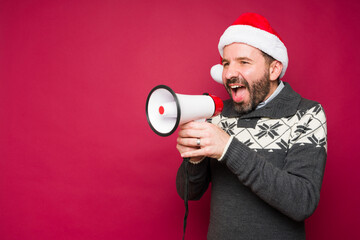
<point>226,148</point>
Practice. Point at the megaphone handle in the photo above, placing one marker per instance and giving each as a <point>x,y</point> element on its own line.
<point>186,192</point>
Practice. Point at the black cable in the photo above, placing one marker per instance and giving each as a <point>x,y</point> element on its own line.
<point>186,193</point>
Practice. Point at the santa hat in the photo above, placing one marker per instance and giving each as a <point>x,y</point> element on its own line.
<point>254,30</point>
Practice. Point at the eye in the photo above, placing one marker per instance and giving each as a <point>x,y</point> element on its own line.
<point>225,64</point>
<point>244,62</point>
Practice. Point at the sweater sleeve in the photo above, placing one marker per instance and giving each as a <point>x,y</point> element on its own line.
<point>199,179</point>
<point>293,189</point>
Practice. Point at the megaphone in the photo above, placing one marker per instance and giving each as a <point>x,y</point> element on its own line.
<point>166,110</point>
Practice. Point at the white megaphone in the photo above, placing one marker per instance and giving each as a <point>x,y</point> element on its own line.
<point>166,110</point>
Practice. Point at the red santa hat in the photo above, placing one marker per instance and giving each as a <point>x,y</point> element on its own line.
<point>254,30</point>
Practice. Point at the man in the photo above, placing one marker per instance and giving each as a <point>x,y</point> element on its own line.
<point>265,154</point>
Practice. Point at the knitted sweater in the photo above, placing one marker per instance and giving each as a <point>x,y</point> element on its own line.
<point>269,180</point>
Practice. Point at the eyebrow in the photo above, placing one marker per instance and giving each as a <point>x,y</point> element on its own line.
<point>238,59</point>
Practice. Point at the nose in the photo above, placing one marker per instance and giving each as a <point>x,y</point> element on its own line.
<point>230,71</point>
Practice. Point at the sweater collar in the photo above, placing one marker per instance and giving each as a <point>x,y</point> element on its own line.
<point>283,105</point>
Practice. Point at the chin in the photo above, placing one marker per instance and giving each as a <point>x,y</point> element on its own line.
<point>243,107</point>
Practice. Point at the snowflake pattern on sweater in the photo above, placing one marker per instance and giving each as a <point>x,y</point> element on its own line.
<point>305,127</point>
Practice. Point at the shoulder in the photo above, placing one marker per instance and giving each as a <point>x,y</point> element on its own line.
<point>307,104</point>
<point>303,104</point>
<point>312,108</point>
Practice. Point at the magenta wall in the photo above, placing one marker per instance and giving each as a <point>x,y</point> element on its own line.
<point>77,157</point>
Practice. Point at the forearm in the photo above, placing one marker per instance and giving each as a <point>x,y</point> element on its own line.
<point>199,179</point>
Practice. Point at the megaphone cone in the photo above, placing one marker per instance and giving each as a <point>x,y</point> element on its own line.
<point>166,110</point>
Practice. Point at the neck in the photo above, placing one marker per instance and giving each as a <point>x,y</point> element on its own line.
<point>272,94</point>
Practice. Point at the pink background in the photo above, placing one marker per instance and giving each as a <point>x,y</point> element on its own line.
<point>77,157</point>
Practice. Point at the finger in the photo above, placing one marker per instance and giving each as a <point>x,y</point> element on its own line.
<point>182,149</point>
<point>194,153</point>
<point>192,142</point>
<point>193,125</point>
<point>191,133</point>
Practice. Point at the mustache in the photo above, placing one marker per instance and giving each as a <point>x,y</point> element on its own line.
<point>237,80</point>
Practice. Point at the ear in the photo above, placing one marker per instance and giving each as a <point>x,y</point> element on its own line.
<point>275,70</point>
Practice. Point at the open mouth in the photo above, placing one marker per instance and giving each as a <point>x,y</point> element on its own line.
<point>237,92</point>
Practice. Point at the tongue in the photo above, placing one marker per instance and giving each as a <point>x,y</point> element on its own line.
<point>238,94</point>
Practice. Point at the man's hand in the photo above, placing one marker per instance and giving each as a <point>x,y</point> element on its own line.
<point>212,140</point>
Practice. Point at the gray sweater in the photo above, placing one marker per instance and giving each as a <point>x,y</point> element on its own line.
<point>269,180</point>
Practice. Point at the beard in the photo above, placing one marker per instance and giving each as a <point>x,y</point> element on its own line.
<point>257,93</point>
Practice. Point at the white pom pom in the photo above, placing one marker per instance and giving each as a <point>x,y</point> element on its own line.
<point>216,73</point>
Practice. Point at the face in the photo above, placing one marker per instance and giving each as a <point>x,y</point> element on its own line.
<point>245,76</point>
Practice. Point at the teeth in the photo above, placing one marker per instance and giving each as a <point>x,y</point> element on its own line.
<point>233,87</point>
